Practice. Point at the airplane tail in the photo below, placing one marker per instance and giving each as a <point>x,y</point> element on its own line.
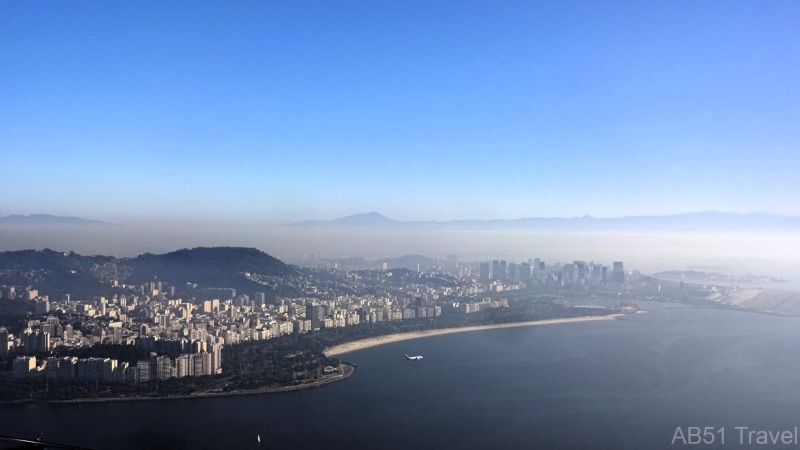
<point>407,357</point>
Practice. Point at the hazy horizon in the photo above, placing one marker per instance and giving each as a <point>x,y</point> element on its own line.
<point>135,221</point>
<point>767,253</point>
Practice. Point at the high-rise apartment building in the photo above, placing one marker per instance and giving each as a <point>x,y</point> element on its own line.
<point>512,273</point>
<point>524,271</point>
<point>485,272</point>
<point>314,314</point>
<point>3,341</point>
<point>580,270</point>
<point>619,272</point>
<point>143,371</point>
<point>23,366</point>
<point>164,367</point>
<point>260,299</point>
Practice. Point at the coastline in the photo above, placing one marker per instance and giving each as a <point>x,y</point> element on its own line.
<point>388,339</point>
<point>350,369</point>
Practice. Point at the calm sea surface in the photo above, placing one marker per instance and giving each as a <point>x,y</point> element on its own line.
<point>612,384</point>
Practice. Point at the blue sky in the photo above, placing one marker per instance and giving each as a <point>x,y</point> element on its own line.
<point>280,111</point>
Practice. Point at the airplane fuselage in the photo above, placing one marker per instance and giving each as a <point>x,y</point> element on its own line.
<point>413,358</point>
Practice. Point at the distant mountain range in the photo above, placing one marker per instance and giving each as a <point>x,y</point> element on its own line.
<point>687,221</point>
<point>368,219</point>
<point>47,219</point>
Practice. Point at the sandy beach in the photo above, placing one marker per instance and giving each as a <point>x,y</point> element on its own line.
<point>372,342</point>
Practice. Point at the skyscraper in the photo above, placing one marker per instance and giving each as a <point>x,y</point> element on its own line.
<point>580,267</point>
<point>619,272</point>
<point>570,272</point>
<point>164,367</point>
<point>35,341</point>
<point>524,271</point>
<point>42,341</point>
<point>153,366</point>
<point>485,273</point>
<point>216,358</point>
<point>143,371</point>
<point>260,298</point>
<point>182,366</point>
<point>314,314</point>
<point>197,364</point>
<point>495,269</point>
<point>3,341</point>
<point>512,273</point>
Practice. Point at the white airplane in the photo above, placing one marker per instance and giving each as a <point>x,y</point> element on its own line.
<point>413,358</point>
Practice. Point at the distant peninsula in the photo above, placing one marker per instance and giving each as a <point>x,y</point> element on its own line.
<point>713,277</point>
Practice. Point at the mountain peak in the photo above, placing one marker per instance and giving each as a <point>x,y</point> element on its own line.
<point>370,215</point>
<point>362,219</point>
<point>47,219</point>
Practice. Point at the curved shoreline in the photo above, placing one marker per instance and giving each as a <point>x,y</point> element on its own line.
<point>264,390</point>
<point>388,339</point>
<point>331,351</point>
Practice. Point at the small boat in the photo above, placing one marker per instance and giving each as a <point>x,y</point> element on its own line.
<point>258,436</point>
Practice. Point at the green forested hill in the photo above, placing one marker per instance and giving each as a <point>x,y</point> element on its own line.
<point>57,273</point>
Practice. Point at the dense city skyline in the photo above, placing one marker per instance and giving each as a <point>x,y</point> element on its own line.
<point>286,112</point>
